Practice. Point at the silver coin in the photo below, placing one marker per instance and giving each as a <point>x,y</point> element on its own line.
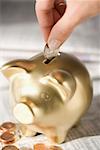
<point>49,53</point>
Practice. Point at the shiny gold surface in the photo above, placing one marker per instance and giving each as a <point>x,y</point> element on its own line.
<point>52,96</point>
<point>26,130</point>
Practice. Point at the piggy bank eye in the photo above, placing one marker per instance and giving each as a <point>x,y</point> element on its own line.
<point>66,81</point>
<point>63,82</point>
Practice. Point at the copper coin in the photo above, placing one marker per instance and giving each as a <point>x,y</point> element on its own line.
<point>40,146</point>
<point>10,147</point>
<point>8,126</point>
<point>55,148</point>
<point>7,137</point>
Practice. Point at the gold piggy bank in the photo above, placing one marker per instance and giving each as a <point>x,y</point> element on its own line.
<point>51,96</point>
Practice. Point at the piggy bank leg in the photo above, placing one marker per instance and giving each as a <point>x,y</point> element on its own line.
<point>26,130</point>
<point>58,136</point>
<point>76,124</point>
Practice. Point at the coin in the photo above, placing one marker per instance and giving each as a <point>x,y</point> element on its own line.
<point>7,137</point>
<point>55,148</point>
<point>50,54</point>
<point>40,146</point>
<point>10,147</point>
<point>8,126</point>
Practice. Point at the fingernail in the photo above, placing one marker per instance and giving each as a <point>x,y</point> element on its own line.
<point>54,44</point>
<point>61,7</point>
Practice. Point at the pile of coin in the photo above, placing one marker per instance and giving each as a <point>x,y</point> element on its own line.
<point>7,133</point>
<point>10,133</point>
<point>37,146</point>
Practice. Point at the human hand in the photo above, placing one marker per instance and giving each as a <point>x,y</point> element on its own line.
<point>58,19</point>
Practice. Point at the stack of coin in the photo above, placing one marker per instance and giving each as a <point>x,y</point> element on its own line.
<point>9,133</point>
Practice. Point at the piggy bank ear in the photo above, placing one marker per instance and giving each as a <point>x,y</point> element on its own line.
<point>10,71</point>
<point>14,67</point>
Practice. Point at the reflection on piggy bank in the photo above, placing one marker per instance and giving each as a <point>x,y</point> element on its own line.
<point>51,96</point>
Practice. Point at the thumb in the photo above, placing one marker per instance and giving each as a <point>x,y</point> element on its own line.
<point>62,29</point>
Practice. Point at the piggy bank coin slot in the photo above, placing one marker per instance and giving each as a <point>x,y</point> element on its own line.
<point>47,61</point>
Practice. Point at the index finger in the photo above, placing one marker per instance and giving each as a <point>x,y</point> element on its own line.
<point>45,15</point>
